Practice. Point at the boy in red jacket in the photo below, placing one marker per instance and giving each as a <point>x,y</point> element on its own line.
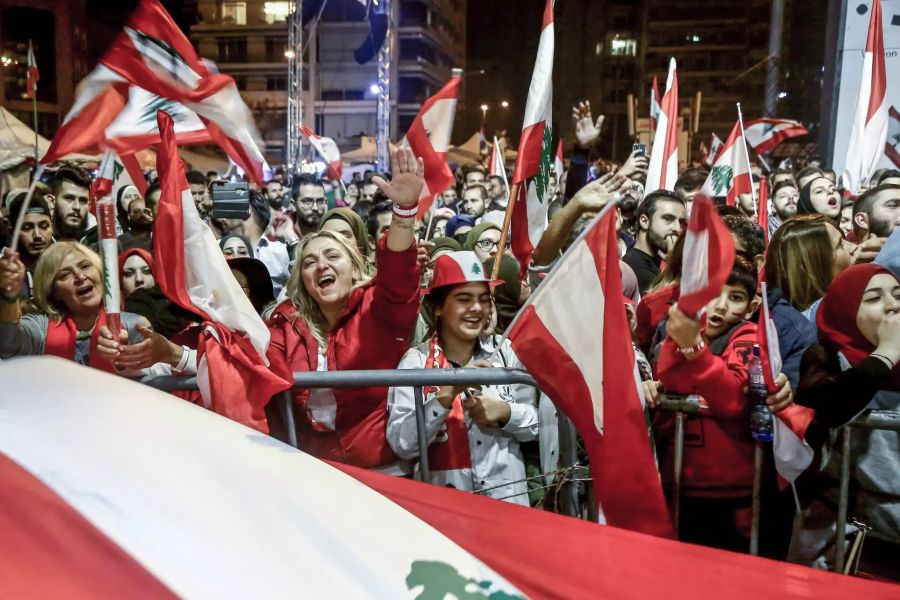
<point>717,477</point>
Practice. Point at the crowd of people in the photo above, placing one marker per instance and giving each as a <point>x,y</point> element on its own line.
<point>348,278</point>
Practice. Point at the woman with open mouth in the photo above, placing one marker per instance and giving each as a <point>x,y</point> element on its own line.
<point>473,434</point>
<point>337,318</point>
<point>69,320</point>
<point>820,196</point>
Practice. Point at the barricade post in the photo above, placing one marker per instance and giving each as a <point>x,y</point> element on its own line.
<point>681,404</point>
<point>424,470</point>
<point>757,483</point>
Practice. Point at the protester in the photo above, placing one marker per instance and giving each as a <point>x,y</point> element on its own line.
<point>473,435</point>
<point>507,295</point>
<point>234,245</point>
<point>498,193</point>
<point>819,196</point>
<point>310,204</point>
<point>483,240</point>
<point>35,238</point>
<point>784,203</point>
<point>70,197</point>
<point>449,199</point>
<point>351,195</point>
<point>336,318</point>
<point>876,212</point>
<point>136,271</point>
<point>439,222</point>
<point>475,201</point>
<point>660,220</point>
<point>349,224</point>
<point>253,277</point>
<point>689,184</point>
<point>200,192</point>
<point>136,219</point>
<point>458,227</point>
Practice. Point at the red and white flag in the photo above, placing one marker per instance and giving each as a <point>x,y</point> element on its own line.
<point>534,161</point>
<point>154,55</point>
<point>709,154</point>
<point>730,173</point>
<point>663,168</point>
<point>497,164</point>
<point>192,272</point>
<point>429,138</point>
<point>558,164</point>
<point>764,134</point>
<point>327,149</point>
<point>655,108</point>
<point>129,519</point>
<point>892,145</point>
<point>576,321</point>
<point>708,257</point>
<point>870,122</point>
<point>792,453</point>
<point>32,76</point>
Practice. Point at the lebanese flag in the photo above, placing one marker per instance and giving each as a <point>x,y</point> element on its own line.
<point>892,145</point>
<point>730,173</point>
<point>210,509</point>
<point>32,77</point>
<point>663,168</point>
<point>655,108</point>
<point>793,454</point>
<point>870,123</point>
<point>498,165</point>
<point>153,54</point>
<point>762,209</point>
<point>708,257</point>
<point>576,322</point>
<point>558,164</point>
<point>327,149</point>
<point>192,272</point>
<point>715,146</point>
<point>429,138</point>
<point>531,175</point>
<point>764,134</point>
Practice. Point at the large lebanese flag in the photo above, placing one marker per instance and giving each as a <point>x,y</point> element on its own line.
<point>870,122</point>
<point>429,138</point>
<point>192,272</point>
<point>663,168</point>
<point>534,161</point>
<point>730,173</point>
<point>764,134</point>
<point>152,497</point>
<point>154,55</point>
<point>327,149</point>
<point>576,321</point>
<point>708,257</point>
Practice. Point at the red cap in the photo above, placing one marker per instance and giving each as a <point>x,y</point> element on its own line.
<point>455,268</point>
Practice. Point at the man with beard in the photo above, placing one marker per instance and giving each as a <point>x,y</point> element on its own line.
<point>877,212</point>
<point>784,202</point>
<point>499,195</point>
<point>310,204</point>
<point>70,197</point>
<point>139,232</point>
<point>36,235</point>
<point>660,220</point>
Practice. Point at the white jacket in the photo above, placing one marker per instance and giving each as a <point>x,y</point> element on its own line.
<point>497,465</point>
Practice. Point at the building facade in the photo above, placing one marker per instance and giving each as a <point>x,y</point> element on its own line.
<point>248,40</point>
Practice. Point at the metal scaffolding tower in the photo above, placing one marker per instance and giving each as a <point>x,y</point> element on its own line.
<point>383,99</point>
<point>294,140</point>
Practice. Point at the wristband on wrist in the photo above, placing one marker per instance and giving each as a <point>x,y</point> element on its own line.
<point>405,213</point>
<point>699,346</point>
<point>9,299</point>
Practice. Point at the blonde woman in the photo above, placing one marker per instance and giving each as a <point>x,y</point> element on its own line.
<point>336,318</point>
<point>70,320</point>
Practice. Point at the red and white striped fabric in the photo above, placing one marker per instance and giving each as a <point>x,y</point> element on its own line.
<point>870,122</point>
<point>535,158</point>
<point>558,164</point>
<point>327,149</point>
<point>793,454</point>
<point>892,145</point>
<point>764,134</point>
<point>655,108</point>
<point>192,271</point>
<point>32,76</point>
<point>152,497</point>
<point>708,257</point>
<point>429,138</point>
<point>576,321</point>
<point>155,56</point>
<point>730,173</point>
<point>663,168</point>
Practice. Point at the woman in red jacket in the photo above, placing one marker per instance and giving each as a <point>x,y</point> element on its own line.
<point>336,318</point>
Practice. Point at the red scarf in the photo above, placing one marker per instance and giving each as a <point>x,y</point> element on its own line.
<point>450,449</point>
<point>61,341</point>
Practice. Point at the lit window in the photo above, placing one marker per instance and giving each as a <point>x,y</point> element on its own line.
<point>234,12</point>
<point>276,11</point>
<point>623,46</point>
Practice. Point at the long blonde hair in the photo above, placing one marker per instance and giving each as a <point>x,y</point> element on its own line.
<point>299,296</point>
<point>45,276</point>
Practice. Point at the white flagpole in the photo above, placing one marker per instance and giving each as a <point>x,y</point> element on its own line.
<point>747,156</point>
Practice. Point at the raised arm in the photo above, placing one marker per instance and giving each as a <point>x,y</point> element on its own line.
<point>404,189</point>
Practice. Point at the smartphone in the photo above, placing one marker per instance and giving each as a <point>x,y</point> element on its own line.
<point>641,149</point>
<point>230,200</point>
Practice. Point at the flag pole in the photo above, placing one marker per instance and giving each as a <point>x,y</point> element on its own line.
<point>34,110</point>
<point>507,220</point>
<point>747,156</point>
<point>430,220</point>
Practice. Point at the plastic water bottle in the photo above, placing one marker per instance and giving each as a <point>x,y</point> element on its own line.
<point>761,426</point>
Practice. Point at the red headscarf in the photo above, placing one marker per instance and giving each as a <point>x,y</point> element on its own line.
<point>148,258</point>
<point>836,317</point>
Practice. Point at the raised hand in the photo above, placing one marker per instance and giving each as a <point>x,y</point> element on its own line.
<point>407,180</point>
<point>636,163</point>
<point>12,273</point>
<point>586,131</point>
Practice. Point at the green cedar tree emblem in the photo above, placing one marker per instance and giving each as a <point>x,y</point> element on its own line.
<point>439,580</point>
<point>721,179</point>
<point>148,115</point>
<point>545,166</point>
<point>476,269</point>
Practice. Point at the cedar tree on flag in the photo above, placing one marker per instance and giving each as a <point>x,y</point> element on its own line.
<point>32,76</point>
<point>792,453</point>
<point>663,168</point>
<point>192,272</point>
<point>327,149</point>
<point>558,164</point>
<point>429,138</point>
<point>534,161</point>
<point>708,257</point>
<point>715,145</point>
<point>730,173</point>
<point>576,321</point>
<point>764,134</point>
<point>654,104</point>
<point>498,165</point>
<point>153,54</point>
<point>870,122</point>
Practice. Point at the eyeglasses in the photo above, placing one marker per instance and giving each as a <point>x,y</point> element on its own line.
<point>487,244</point>
<point>313,201</point>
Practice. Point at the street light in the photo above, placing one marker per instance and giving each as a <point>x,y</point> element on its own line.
<point>484,108</point>
<point>504,104</point>
<point>289,54</point>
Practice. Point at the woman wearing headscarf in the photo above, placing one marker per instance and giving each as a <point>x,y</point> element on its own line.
<point>483,240</point>
<point>136,271</point>
<point>349,224</point>
<point>507,295</point>
<point>854,369</point>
